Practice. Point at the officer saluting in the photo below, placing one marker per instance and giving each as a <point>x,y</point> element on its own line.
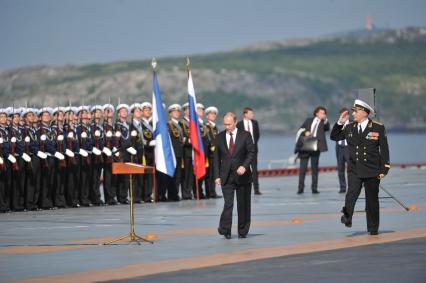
<point>368,161</point>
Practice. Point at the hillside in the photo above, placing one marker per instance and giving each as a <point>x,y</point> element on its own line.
<point>283,80</point>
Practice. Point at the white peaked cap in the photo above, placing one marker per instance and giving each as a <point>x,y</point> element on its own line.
<point>146,104</point>
<point>362,104</point>
<point>108,106</point>
<point>123,105</point>
<point>83,108</point>
<point>45,109</point>
<point>200,105</point>
<point>174,107</point>
<point>212,109</point>
<point>96,107</point>
<point>135,105</point>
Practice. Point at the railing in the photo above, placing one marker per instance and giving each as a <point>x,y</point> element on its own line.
<point>294,171</point>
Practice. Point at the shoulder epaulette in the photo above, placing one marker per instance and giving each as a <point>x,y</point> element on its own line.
<point>378,123</point>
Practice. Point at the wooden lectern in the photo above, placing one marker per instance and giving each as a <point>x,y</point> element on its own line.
<point>131,168</point>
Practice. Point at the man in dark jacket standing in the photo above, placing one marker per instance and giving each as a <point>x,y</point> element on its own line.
<point>250,125</point>
<point>233,156</point>
<point>315,126</point>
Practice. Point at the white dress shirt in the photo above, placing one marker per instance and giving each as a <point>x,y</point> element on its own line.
<point>228,136</point>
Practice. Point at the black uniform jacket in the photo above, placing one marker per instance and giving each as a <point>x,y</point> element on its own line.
<point>369,151</point>
<point>226,164</point>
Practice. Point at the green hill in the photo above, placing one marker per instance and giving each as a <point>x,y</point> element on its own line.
<point>283,82</point>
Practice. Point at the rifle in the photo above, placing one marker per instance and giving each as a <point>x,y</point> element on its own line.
<point>15,166</point>
<point>62,163</point>
<point>2,166</point>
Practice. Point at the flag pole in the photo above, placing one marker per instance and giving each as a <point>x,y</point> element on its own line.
<point>154,178</point>
<point>197,189</point>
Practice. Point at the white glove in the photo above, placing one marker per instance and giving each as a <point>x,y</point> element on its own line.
<point>26,157</point>
<point>69,153</point>
<point>60,138</point>
<point>152,143</point>
<point>117,134</point>
<point>11,158</point>
<point>97,133</point>
<point>1,161</point>
<point>117,154</point>
<point>27,139</point>
<point>133,133</point>
<point>43,137</point>
<point>83,135</point>
<point>109,134</point>
<point>131,150</point>
<point>41,154</point>
<point>1,140</point>
<point>114,149</point>
<point>13,139</point>
<point>59,155</point>
<point>96,151</point>
<point>83,153</point>
<point>71,135</point>
<point>107,151</point>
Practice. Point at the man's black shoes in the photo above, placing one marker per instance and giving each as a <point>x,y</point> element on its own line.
<point>346,220</point>
<point>373,233</point>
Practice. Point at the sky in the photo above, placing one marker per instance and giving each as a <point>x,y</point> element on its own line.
<point>58,32</point>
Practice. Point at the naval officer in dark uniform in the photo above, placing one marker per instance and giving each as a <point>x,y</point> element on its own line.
<point>368,161</point>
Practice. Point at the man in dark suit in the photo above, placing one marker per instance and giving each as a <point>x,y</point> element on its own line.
<point>342,156</point>
<point>315,126</point>
<point>250,125</point>
<point>368,161</point>
<point>233,156</point>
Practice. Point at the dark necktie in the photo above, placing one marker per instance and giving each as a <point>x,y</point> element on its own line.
<point>359,129</point>
<point>231,144</point>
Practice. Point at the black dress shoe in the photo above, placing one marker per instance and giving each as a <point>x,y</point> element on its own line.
<point>257,192</point>
<point>299,192</point>
<point>373,233</point>
<point>342,191</point>
<point>315,191</point>
<point>242,236</point>
<point>345,220</point>
<point>227,236</point>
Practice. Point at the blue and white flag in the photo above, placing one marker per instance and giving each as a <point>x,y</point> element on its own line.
<point>165,160</point>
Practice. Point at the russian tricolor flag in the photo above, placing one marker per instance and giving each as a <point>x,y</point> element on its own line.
<point>199,158</point>
<point>165,160</point>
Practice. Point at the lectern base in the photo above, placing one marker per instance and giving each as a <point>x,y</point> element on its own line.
<point>132,237</point>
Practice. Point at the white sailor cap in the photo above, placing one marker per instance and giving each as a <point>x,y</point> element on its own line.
<point>83,108</point>
<point>123,105</point>
<point>185,105</point>
<point>96,107</point>
<point>67,109</point>
<point>3,111</point>
<point>58,109</point>
<point>74,109</point>
<point>109,106</point>
<point>200,105</point>
<point>14,111</point>
<point>363,105</point>
<point>174,107</point>
<point>146,104</point>
<point>135,105</point>
<point>45,109</point>
<point>25,111</point>
<point>212,109</point>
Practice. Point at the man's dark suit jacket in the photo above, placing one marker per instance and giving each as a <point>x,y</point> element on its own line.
<point>256,131</point>
<point>322,128</point>
<point>225,165</point>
